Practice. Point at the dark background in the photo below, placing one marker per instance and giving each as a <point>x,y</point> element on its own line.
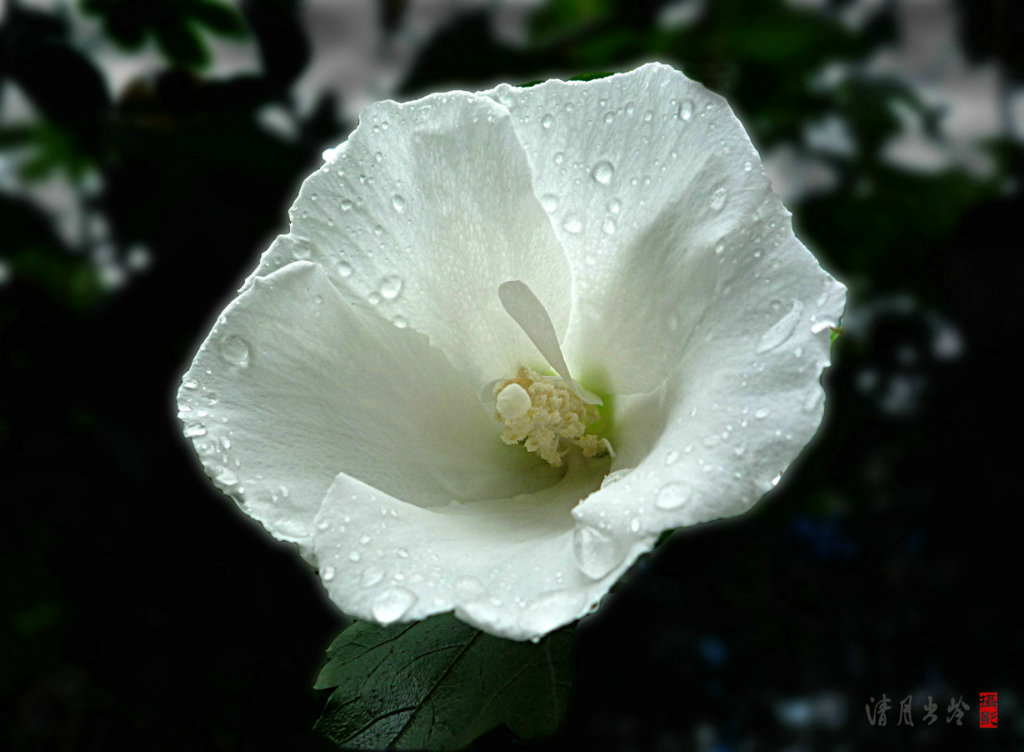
<point>140,610</point>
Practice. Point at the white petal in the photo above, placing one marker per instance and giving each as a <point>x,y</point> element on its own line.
<point>744,400</point>
<point>690,287</point>
<point>506,566</point>
<point>296,384</point>
<point>650,172</point>
<point>425,211</point>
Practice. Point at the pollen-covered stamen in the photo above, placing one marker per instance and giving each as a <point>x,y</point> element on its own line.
<point>548,417</point>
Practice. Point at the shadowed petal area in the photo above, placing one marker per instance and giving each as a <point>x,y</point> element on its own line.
<point>504,565</point>
<point>424,212</point>
<point>296,384</point>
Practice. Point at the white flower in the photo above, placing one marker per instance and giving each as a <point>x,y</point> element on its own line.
<point>346,397</point>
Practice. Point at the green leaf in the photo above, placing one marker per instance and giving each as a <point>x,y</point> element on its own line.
<point>439,684</point>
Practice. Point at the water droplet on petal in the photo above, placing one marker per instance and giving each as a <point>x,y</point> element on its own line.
<point>392,605</point>
<point>573,224</point>
<point>371,576</point>
<point>781,330</point>
<point>469,585</point>
<point>398,202</point>
<point>718,199</point>
<point>672,496</point>
<point>671,457</point>
<point>390,287</point>
<point>614,206</point>
<point>549,611</point>
<point>608,226</point>
<point>686,110</point>
<point>549,202</point>
<point>559,158</point>
<point>603,172</point>
<point>327,573</point>
<point>344,269</point>
<point>596,553</point>
<point>234,350</point>
<point>547,121</point>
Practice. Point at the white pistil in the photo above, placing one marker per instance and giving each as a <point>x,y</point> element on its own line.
<point>527,311</point>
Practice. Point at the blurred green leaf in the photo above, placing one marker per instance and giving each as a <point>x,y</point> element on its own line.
<point>440,684</point>
<point>177,27</point>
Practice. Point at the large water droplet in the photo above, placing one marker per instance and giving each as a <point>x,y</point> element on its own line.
<point>549,202</point>
<point>547,121</point>
<point>595,552</point>
<point>392,604</point>
<point>672,496</point>
<point>344,269</point>
<point>603,172</point>
<point>608,226</point>
<point>398,202</point>
<point>686,110</point>
<point>390,287</point>
<point>781,329</point>
<point>234,350</point>
<point>327,573</point>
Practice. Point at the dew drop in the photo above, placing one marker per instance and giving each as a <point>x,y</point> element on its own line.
<point>608,226</point>
<point>595,552</point>
<point>549,611</point>
<point>327,573</point>
<point>559,158</point>
<point>390,287</point>
<point>603,172</point>
<point>547,121</point>
<point>398,202</point>
<point>354,556</point>
<point>371,576</point>
<point>718,199</point>
<point>549,202</point>
<point>672,496</point>
<point>671,457</point>
<point>392,605</point>
<point>344,269</point>
<point>234,350</point>
<point>572,224</point>
<point>781,329</point>
<point>470,585</point>
<point>762,413</point>
<point>400,322</point>
<point>686,110</point>
<point>346,204</point>
<point>614,206</point>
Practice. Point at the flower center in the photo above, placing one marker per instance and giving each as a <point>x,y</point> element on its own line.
<point>550,415</point>
<point>545,414</point>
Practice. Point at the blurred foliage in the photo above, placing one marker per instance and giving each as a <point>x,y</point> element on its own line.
<point>176,26</point>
